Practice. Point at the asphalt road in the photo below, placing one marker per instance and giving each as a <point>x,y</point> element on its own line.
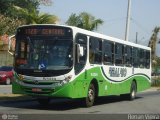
<point>147,102</point>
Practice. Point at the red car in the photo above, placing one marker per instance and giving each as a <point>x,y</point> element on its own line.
<point>6,74</point>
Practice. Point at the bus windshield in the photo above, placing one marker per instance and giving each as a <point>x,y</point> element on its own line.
<point>43,53</point>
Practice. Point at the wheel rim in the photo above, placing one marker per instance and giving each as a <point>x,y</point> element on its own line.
<point>133,94</point>
<point>91,95</point>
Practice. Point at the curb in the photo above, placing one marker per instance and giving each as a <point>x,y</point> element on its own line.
<point>8,97</point>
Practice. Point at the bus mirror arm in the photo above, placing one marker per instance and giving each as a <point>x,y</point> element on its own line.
<point>9,45</point>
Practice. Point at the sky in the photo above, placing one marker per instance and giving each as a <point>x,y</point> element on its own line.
<point>144,16</point>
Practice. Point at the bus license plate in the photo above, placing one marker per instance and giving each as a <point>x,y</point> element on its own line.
<point>36,90</point>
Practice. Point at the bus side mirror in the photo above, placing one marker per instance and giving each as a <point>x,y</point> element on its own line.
<point>10,45</point>
<point>79,51</point>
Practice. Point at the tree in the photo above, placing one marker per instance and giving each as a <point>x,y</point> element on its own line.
<point>27,10</point>
<point>84,20</point>
<point>32,16</point>
<point>158,61</point>
<point>7,6</point>
<point>153,41</point>
<point>11,18</point>
<point>8,25</point>
<point>74,20</point>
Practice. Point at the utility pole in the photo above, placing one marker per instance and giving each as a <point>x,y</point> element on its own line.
<point>136,37</point>
<point>128,21</point>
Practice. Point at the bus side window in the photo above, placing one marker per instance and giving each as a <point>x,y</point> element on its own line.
<point>108,53</point>
<point>142,58</point>
<point>118,54</point>
<point>147,60</point>
<point>135,54</point>
<point>128,56</point>
<point>95,50</point>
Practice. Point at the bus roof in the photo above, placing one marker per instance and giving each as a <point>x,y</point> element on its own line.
<point>95,34</point>
<point>102,36</point>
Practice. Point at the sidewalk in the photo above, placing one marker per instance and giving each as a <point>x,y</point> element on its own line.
<point>153,89</point>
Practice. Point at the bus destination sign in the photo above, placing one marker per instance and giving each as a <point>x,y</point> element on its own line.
<point>45,31</point>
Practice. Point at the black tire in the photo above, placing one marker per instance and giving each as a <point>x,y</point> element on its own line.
<point>90,99</point>
<point>43,101</point>
<point>133,91</point>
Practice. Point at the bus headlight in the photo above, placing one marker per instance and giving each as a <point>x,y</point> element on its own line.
<point>66,80</point>
<point>21,77</point>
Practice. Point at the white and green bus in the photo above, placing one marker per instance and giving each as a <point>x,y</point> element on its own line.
<point>53,61</point>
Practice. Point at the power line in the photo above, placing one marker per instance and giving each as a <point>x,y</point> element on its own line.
<point>115,19</point>
<point>140,26</point>
<point>111,22</point>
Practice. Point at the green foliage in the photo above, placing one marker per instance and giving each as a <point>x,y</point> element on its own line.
<point>153,42</point>
<point>32,16</point>
<point>158,61</point>
<point>10,18</point>
<point>89,22</point>
<point>45,18</point>
<point>74,20</point>
<point>14,13</point>
<point>84,20</point>
<point>8,25</point>
<point>5,6</point>
<point>27,4</point>
<point>9,10</point>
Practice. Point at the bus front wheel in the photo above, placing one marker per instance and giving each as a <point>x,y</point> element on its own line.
<point>89,100</point>
<point>132,94</point>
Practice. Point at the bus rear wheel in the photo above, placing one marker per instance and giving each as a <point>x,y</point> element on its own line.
<point>133,91</point>
<point>89,100</point>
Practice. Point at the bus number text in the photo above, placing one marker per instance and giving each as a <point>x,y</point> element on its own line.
<point>117,72</point>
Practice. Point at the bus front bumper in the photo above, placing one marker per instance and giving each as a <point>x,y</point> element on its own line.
<point>53,90</point>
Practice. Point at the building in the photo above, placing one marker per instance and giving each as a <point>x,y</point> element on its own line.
<point>5,57</point>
